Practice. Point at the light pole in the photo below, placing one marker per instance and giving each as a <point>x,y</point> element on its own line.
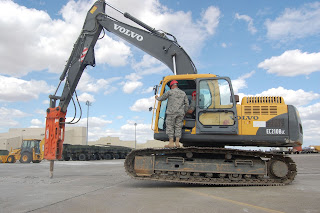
<point>135,135</point>
<point>22,134</point>
<point>88,104</point>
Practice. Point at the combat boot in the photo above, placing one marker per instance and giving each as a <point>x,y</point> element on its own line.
<point>177,142</point>
<point>171,143</point>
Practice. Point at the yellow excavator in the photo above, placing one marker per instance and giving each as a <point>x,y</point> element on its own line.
<point>31,150</point>
<point>218,120</point>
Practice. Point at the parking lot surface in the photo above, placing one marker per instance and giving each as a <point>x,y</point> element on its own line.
<point>103,186</point>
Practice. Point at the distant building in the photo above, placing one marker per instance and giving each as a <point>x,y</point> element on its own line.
<point>115,141</point>
<point>152,144</point>
<point>13,138</point>
<point>73,135</point>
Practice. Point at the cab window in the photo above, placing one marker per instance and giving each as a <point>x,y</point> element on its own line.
<point>215,94</point>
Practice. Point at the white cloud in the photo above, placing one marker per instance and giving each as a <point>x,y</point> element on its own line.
<point>90,84</point>
<point>97,132</point>
<point>130,86</point>
<point>46,102</point>
<point>143,104</point>
<point>292,97</point>
<point>36,122</point>
<point>310,117</point>
<point>157,69</point>
<point>119,117</point>
<point>41,111</point>
<point>143,132</point>
<point>38,42</point>
<point>149,66</point>
<point>224,45</point>
<point>126,132</point>
<point>74,8</point>
<point>295,23</point>
<point>94,122</point>
<point>47,43</point>
<point>210,19</point>
<point>84,97</point>
<point>97,122</point>
<point>256,48</point>
<point>133,77</point>
<point>240,83</point>
<point>114,53</point>
<point>146,62</point>
<point>110,90</point>
<point>8,117</point>
<point>311,112</point>
<point>311,132</point>
<point>15,89</point>
<point>132,122</point>
<point>292,63</point>
<point>12,112</point>
<point>191,34</point>
<point>148,90</point>
<point>249,20</point>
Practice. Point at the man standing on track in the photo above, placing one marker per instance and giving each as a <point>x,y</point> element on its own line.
<point>177,104</point>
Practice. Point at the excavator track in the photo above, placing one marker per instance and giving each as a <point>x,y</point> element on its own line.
<point>231,167</point>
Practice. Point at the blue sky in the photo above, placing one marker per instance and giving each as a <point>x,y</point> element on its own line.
<point>268,48</point>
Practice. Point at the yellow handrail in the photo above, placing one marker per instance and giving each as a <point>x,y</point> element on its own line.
<point>154,107</point>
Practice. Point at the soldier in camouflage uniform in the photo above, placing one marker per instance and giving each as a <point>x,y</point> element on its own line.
<point>176,108</point>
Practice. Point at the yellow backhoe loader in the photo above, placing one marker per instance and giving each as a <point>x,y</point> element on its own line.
<point>30,150</point>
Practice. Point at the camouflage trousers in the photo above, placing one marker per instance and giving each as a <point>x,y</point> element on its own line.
<point>174,125</point>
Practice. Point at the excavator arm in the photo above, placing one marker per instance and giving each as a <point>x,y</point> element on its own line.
<point>153,42</point>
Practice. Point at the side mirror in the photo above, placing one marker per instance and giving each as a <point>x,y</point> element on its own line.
<point>155,88</point>
<point>151,108</point>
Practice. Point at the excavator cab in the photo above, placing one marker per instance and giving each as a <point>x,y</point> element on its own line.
<point>215,111</point>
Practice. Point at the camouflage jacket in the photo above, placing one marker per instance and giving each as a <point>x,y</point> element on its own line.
<point>177,101</point>
<point>192,105</point>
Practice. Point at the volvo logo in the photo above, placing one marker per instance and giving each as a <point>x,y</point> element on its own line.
<point>128,32</point>
<point>247,117</point>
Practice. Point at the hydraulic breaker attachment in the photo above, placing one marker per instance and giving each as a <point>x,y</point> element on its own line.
<point>54,137</point>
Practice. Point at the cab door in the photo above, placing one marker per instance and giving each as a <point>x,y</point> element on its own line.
<point>216,107</point>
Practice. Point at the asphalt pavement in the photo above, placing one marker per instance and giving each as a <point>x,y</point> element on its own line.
<point>104,186</point>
